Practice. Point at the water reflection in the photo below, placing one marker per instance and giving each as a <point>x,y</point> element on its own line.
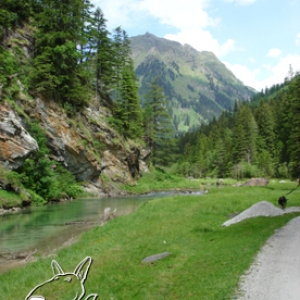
<point>24,230</point>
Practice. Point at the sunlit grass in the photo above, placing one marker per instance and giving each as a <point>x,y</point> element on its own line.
<point>9,199</point>
<point>206,260</point>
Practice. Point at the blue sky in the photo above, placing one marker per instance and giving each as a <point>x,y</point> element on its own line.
<point>257,39</point>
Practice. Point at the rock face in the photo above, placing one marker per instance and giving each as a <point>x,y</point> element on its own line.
<point>86,145</point>
<point>67,144</point>
<point>16,144</point>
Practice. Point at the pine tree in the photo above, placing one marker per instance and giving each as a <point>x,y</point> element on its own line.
<point>294,132</point>
<point>100,54</point>
<point>245,135</point>
<point>56,70</point>
<point>130,107</point>
<point>163,129</point>
<point>266,127</point>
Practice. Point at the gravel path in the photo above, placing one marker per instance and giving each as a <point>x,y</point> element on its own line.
<point>275,273</point>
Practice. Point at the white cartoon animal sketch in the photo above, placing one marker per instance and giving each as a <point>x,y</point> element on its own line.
<point>75,281</point>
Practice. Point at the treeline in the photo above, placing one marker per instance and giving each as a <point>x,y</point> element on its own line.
<point>258,138</point>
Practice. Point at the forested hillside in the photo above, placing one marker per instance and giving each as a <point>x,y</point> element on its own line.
<point>260,138</point>
<point>197,85</point>
<point>68,87</point>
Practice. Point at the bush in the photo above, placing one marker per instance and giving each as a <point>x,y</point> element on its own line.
<point>36,199</point>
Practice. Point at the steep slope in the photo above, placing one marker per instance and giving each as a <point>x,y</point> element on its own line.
<point>197,83</point>
<point>84,143</point>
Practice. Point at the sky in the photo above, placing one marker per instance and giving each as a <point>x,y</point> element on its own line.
<point>258,40</point>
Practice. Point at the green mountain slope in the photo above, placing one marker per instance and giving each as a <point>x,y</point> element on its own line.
<point>198,85</point>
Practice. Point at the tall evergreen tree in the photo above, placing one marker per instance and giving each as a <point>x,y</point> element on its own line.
<point>294,132</point>
<point>131,113</point>
<point>245,135</point>
<point>100,53</point>
<point>266,127</point>
<point>56,70</point>
<point>163,129</point>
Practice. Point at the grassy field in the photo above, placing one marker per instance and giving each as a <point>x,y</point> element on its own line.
<point>206,260</point>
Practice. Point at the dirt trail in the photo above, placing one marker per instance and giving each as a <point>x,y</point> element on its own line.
<point>275,273</point>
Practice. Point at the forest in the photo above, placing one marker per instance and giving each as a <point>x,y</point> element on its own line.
<point>256,138</point>
<point>76,59</point>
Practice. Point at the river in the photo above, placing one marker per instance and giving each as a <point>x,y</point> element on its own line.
<point>45,228</point>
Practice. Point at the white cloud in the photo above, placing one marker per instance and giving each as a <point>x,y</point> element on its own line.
<point>202,40</point>
<point>241,2</point>
<point>190,20</point>
<point>243,73</point>
<point>227,47</point>
<point>178,13</point>
<point>278,72</point>
<point>298,39</point>
<point>274,52</point>
<point>120,12</point>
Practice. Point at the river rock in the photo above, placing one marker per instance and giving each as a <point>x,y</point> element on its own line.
<point>155,257</point>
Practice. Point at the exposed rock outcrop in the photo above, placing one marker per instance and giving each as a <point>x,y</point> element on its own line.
<point>257,182</point>
<point>86,144</point>
<point>72,143</point>
<point>16,144</point>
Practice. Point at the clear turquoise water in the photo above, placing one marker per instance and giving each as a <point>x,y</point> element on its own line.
<point>45,227</point>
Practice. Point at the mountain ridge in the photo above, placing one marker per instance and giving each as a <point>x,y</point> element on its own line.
<point>195,82</point>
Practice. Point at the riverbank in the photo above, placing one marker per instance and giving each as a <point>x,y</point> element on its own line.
<point>154,182</point>
<point>206,259</point>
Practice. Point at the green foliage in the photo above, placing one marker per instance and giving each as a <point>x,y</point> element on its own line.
<point>56,70</point>
<point>8,68</point>
<point>254,140</point>
<point>45,177</point>
<point>158,125</point>
<point>294,127</point>
<point>36,199</point>
<point>13,13</point>
<point>9,199</point>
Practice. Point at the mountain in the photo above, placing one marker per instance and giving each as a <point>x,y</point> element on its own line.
<point>198,85</point>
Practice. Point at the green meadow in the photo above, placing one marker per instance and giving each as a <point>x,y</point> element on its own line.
<point>206,259</point>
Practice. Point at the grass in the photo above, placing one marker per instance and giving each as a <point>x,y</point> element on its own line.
<point>206,258</point>
<point>9,199</point>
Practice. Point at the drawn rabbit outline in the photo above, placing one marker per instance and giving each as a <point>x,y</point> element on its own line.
<point>58,272</point>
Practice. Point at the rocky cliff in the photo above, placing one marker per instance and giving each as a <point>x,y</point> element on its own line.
<point>85,144</point>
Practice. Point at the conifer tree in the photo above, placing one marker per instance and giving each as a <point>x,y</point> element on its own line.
<point>163,129</point>
<point>266,127</point>
<point>294,130</point>
<point>56,70</point>
<point>131,114</point>
<point>99,53</point>
<point>245,135</point>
